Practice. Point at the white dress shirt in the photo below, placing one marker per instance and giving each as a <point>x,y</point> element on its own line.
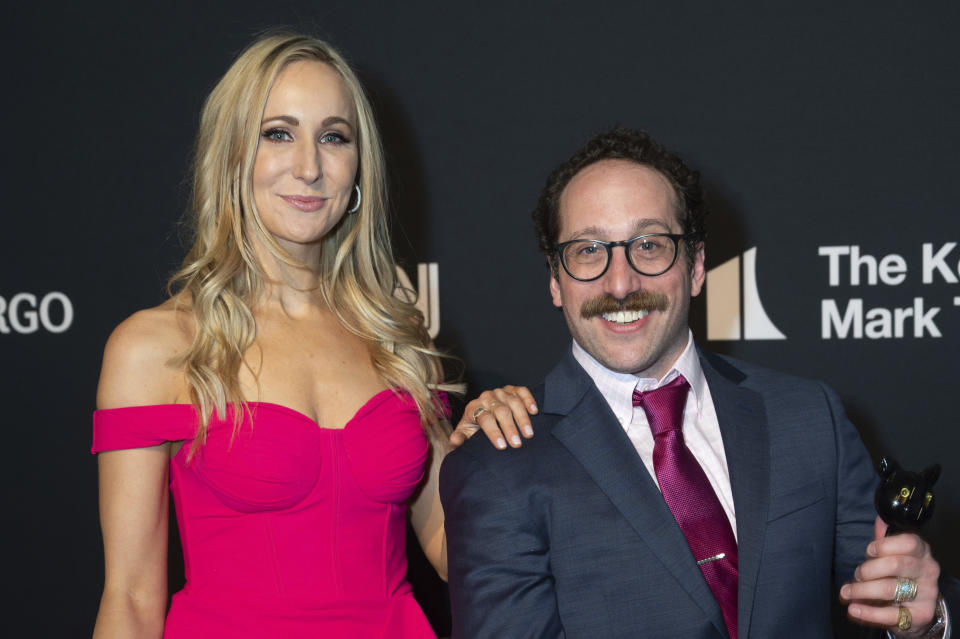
<point>701,429</point>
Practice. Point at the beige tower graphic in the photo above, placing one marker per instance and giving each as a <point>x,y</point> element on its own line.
<point>730,314</point>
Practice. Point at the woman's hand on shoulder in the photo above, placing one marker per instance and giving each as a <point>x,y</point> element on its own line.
<point>503,414</point>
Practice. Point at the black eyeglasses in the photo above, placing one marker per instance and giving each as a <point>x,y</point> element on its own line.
<point>650,254</point>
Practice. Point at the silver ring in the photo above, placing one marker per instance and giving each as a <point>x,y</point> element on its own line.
<point>906,590</point>
<point>477,413</point>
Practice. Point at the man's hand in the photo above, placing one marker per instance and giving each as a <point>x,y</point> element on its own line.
<point>502,413</point>
<point>870,597</point>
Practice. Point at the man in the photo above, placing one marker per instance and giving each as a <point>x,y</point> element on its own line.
<point>668,492</point>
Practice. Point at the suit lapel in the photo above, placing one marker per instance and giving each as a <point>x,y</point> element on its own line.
<point>743,425</point>
<point>593,436</point>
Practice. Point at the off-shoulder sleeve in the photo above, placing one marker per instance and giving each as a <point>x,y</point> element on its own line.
<point>142,426</point>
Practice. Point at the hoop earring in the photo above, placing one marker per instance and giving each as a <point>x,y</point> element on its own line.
<point>356,206</point>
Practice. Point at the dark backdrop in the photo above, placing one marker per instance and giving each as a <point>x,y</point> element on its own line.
<point>814,126</point>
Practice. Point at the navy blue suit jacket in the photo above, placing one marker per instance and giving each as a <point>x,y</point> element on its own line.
<point>569,535</point>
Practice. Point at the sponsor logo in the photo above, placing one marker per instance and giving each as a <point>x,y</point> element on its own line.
<point>426,295</point>
<point>730,314</point>
<point>854,318</point>
<point>23,314</point>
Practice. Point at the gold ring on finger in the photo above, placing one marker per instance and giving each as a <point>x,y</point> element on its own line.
<point>906,590</point>
<point>904,620</point>
<point>477,413</point>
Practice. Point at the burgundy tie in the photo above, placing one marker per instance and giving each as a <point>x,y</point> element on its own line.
<point>692,501</point>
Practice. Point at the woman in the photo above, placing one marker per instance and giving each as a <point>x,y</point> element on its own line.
<point>284,392</point>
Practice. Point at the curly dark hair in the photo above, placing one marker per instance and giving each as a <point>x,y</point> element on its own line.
<point>625,144</point>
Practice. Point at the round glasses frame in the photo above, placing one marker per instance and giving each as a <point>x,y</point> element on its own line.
<point>609,246</point>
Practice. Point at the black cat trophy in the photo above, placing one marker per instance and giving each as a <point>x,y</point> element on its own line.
<point>904,498</point>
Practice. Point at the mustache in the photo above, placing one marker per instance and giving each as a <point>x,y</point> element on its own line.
<point>639,301</point>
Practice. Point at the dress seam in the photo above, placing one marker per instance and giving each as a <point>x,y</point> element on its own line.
<point>334,533</point>
<point>268,533</point>
<point>384,549</point>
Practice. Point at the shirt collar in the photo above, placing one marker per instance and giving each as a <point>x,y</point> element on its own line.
<point>614,386</point>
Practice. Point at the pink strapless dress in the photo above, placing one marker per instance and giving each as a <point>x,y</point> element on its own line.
<point>289,530</point>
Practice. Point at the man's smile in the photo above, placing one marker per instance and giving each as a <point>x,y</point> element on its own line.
<point>624,317</point>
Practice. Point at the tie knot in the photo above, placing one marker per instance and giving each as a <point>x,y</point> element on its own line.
<point>664,406</point>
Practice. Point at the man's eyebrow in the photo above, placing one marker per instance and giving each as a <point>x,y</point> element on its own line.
<point>650,226</point>
<point>642,226</point>
<point>588,233</point>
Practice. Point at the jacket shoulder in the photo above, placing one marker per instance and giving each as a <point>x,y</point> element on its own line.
<point>761,378</point>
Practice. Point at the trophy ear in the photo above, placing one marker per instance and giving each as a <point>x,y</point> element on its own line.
<point>887,465</point>
<point>931,475</point>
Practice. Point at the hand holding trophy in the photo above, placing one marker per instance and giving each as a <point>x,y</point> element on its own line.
<point>896,586</point>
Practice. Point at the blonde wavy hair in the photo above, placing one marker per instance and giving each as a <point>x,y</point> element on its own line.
<point>220,278</point>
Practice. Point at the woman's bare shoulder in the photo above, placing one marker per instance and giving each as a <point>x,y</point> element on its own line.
<point>140,359</point>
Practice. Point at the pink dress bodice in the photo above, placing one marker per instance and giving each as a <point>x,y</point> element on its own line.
<point>288,529</point>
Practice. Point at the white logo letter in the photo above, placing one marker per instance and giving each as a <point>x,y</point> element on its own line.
<point>45,312</point>
<point>924,321</point>
<point>3,324</point>
<point>931,262</point>
<point>30,316</point>
<point>834,253</point>
<point>830,317</point>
